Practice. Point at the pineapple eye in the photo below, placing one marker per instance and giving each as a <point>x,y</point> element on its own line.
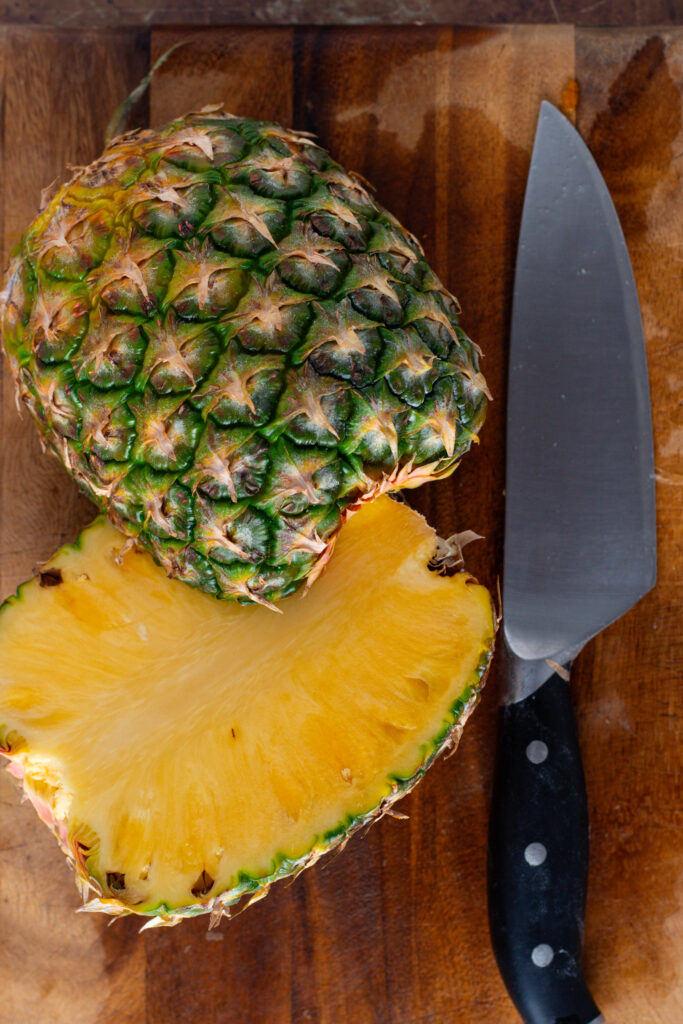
<point>203,885</point>
<point>50,577</point>
<point>116,882</point>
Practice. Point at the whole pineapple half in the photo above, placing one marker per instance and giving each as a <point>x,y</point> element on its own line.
<point>187,753</point>
<point>231,345</point>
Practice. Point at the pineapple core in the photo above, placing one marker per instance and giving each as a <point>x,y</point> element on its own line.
<point>182,747</point>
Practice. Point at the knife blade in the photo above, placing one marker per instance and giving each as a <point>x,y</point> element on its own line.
<point>580,550</point>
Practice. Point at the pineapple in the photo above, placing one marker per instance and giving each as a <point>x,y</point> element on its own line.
<point>231,346</point>
<point>235,351</point>
<point>189,752</point>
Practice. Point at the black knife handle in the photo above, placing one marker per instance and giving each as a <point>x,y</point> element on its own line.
<point>538,859</point>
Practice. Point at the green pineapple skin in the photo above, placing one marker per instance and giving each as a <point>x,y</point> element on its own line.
<point>229,344</point>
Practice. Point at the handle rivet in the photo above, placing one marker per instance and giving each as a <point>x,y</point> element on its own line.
<point>542,955</point>
<point>537,751</point>
<point>535,854</point>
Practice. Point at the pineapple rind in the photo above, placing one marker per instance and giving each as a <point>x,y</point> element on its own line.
<point>220,277</point>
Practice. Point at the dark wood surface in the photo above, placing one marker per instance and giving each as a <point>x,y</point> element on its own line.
<point>150,14</point>
<point>394,930</point>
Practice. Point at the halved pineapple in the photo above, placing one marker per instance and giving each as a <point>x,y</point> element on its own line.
<point>187,752</point>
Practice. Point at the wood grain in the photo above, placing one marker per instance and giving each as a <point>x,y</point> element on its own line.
<point>629,677</point>
<point>87,14</point>
<point>394,930</point>
<point>59,90</point>
<point>58,97</point>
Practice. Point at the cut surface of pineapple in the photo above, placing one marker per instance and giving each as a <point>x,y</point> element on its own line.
<point>187,751</point>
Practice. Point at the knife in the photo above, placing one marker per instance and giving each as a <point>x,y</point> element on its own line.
<point>580,550</point>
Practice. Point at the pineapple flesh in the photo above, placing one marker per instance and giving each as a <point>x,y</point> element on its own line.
<point>189,752</point>
<point>228,342</point>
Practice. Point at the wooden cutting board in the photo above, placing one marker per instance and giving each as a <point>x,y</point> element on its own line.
<point>394,931</point>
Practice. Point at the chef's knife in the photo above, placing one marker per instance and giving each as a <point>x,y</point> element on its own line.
<point>579,552</point>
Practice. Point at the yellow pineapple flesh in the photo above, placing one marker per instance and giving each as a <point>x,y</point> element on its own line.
<point>188,752</point>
